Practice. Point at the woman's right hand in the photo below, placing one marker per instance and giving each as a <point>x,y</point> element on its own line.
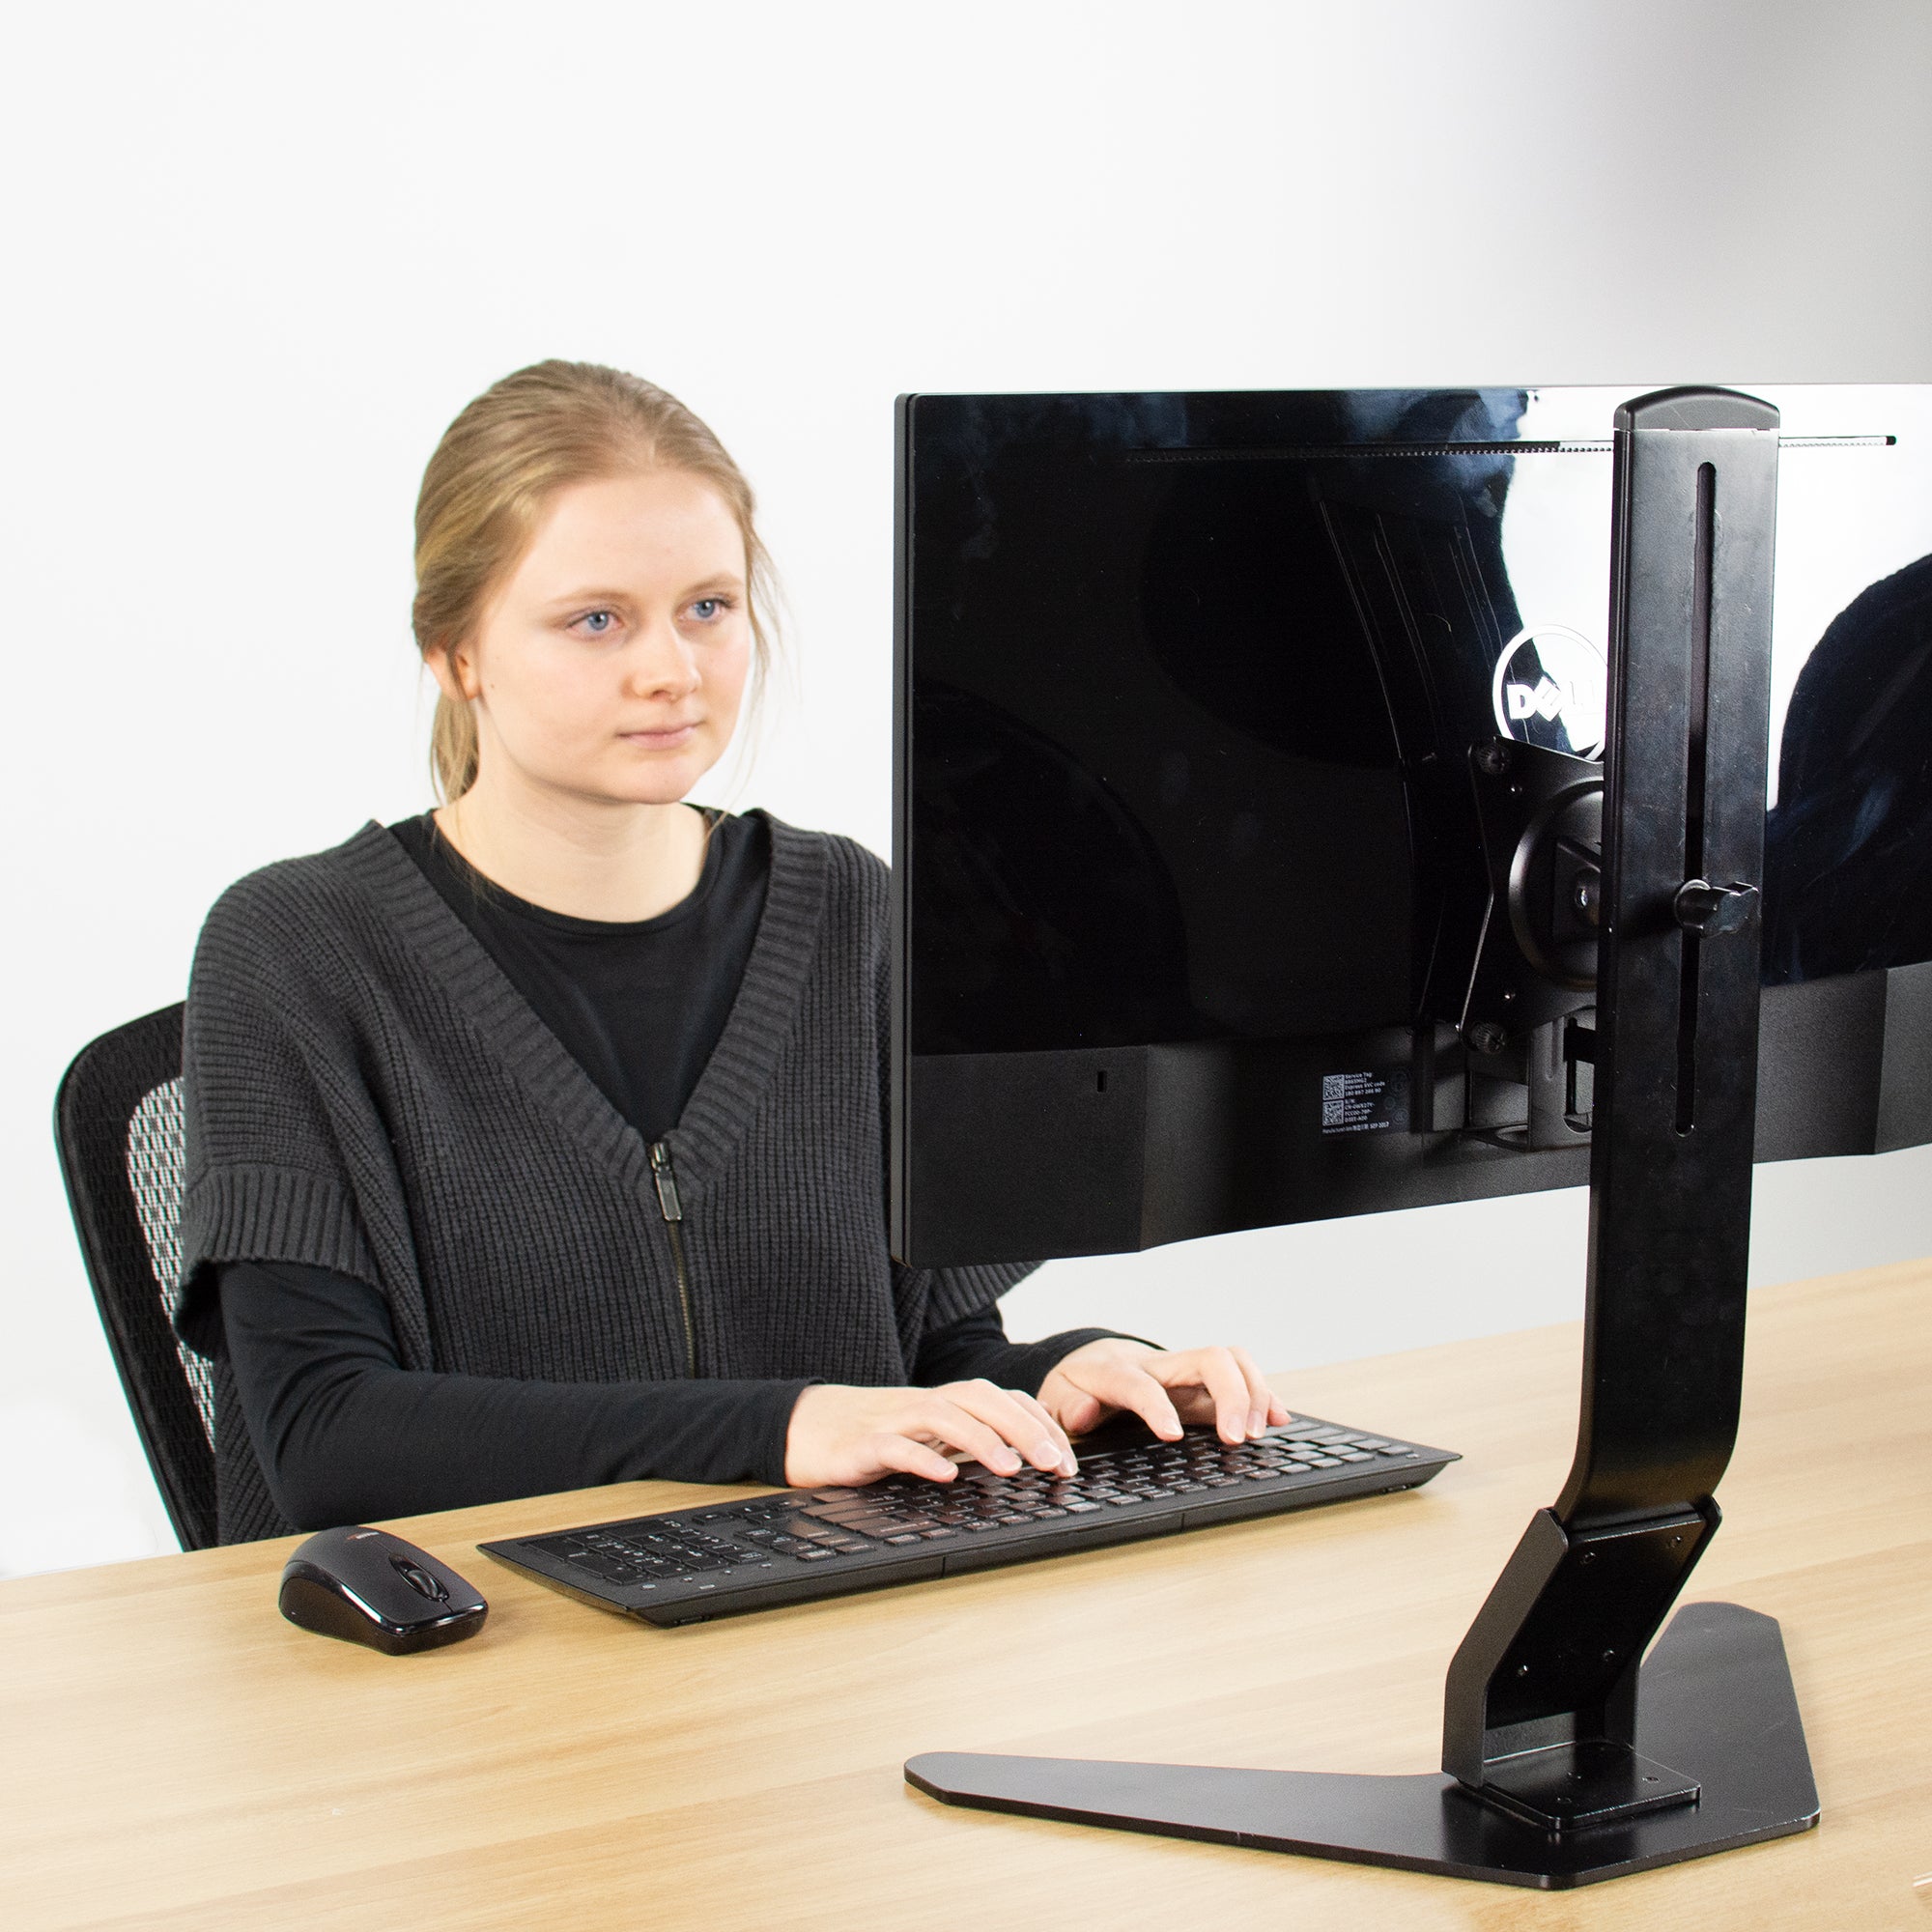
<point>842,1436</point>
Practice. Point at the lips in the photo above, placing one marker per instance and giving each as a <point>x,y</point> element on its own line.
<point>661,737</point>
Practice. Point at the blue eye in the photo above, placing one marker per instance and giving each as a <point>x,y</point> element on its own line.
<point>598,622</point>
<point>706,608</point>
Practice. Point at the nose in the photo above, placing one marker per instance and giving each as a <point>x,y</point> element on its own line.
<point>660,664</point>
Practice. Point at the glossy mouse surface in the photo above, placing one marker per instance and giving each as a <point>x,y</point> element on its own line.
<point>373,1589</point>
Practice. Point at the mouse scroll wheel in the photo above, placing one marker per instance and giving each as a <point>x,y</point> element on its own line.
<point>419,1580</point>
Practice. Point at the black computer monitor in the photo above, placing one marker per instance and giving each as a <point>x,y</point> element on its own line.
<point>1253,863</point>
<point>1203,919</point>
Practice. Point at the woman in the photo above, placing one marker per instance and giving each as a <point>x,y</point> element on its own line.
<point>537,1141</point>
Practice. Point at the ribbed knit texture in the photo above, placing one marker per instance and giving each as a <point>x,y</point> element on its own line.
<point>366,1092</point>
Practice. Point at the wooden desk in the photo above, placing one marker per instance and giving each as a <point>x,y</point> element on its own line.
<point>176,1755</point>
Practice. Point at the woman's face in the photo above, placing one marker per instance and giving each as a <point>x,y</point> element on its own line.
<point>611,664</point>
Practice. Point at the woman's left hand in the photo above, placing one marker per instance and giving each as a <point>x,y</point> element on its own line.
<point>1164,1387</point>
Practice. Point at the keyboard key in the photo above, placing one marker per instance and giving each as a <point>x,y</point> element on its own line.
<point>1081,1508</point>
<point>611,1570</point>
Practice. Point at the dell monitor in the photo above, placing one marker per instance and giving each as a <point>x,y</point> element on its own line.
<point>1202,920</point>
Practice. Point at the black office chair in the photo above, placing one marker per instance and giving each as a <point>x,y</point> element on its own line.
<point>118,1125</point>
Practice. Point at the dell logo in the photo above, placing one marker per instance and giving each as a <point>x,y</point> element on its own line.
<point>1550,689</point>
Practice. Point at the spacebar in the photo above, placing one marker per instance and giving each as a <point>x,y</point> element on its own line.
<point>982,1552</point>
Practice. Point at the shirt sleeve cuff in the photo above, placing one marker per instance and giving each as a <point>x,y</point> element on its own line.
<point>767,1465</point>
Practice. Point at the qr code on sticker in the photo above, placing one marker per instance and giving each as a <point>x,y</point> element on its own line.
<point>1333,1113</point>
<point>1333,1087</point>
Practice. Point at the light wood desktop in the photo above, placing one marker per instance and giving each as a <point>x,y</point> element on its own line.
<point>176,1755</point>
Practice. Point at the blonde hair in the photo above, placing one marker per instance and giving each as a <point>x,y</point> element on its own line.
<point>491,478</point>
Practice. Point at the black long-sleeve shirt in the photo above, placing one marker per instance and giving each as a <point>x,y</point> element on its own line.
<point>343,1431</point>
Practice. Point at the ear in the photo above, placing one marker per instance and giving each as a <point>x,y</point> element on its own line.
<point>454,671</point>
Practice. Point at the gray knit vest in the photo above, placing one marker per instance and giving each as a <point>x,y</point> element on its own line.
<point>366,1092</point>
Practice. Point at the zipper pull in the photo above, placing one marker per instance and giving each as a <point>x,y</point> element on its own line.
<point>667,1182</point>
<point>672,1210</point>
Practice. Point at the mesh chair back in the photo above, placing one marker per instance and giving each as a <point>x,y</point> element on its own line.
<point>118,1125</point>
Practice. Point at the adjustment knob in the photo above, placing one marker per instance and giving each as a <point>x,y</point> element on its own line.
<point>1709,910</point>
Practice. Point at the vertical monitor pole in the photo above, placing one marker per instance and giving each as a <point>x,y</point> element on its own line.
<point>1569,1756</point>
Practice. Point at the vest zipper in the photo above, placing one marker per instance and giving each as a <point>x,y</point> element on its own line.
<point>672,1210</point>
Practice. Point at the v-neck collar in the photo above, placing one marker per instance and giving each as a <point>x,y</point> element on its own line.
<point>741,1064</point>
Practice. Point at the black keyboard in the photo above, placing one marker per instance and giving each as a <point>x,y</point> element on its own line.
<point>690,1564</point>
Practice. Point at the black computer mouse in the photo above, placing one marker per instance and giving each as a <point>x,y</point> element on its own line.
<point>373,1589</point>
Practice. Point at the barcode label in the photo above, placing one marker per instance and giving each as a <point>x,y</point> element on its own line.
<point>1364,1104</point>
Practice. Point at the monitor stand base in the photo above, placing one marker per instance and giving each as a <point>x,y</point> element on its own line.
<point>1716,1704</point>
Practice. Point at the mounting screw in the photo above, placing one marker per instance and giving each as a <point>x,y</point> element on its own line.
<point>1609,1656</point>
<point>1522,1670</point>
<point>1588,1556</point>
<point>1494,757</point>
<point>1487,1036</point>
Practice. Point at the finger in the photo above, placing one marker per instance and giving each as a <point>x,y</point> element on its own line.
<point>1132,1387</point>
<point>1193,1403</point>
<point>1066,1463</point>
<point>1073,1406</point>
<point>1079,1411</point>
<point>943,1415</point>
<point>1215,1371</point>
<point>1265,1407</point>
<point>1017,1418</point>
<point>894,1454</point>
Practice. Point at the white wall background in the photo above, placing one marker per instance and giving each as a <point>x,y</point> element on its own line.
<point>257,257</point>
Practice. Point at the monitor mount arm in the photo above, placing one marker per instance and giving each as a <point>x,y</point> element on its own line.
<point>1569,1757</point>
<point>1541,1713</point>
